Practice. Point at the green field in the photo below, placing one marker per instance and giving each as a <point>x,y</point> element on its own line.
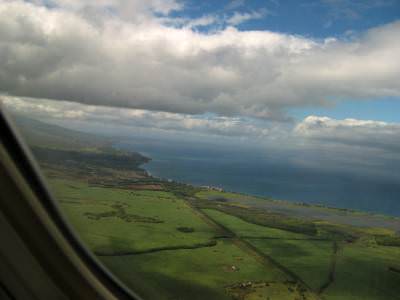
<point>150,220</point>
<point>247,230</point>
<point>308,259</point>
<point>363,273</point>
<point>163,247</point>
<point>207,194</point>
<point>192,274</point>
<point>148,255</point>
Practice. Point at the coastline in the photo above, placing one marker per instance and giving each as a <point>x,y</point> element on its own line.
<point>302,204</point>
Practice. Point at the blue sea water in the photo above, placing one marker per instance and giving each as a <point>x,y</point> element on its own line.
<point>252,172</point>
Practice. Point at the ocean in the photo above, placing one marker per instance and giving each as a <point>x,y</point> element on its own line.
<point>255,172</point>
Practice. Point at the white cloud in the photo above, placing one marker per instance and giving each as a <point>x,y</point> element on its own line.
<point>125,57</point>
<point>70,112</point>
<point>122,8</point>
<point>238,18</point>
<point>187,23</point>
<point>365,133</point>
<point>202,21</point>
<point>234,4</point>
<point>214,22</point>
<point>313,132</point>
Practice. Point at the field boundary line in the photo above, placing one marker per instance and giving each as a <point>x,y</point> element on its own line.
<point>286,239</point>
<point>211,243</point>
<point>332,268</point>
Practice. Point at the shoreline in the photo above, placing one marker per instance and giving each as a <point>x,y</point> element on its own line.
<point>270,198</point>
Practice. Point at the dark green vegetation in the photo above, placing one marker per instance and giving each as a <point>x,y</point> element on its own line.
<point>103,158</point>
<point>168,240</point>
<point>388,240</point>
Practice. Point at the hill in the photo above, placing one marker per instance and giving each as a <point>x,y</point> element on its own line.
<point>41,134</point>
<point>73,152</point>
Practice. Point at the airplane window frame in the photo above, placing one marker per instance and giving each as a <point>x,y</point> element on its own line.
<point>109,286</point>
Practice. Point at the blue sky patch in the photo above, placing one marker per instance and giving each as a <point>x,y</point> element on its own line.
<point>318,19</point>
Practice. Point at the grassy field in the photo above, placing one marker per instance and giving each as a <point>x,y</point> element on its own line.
<point>216,195</point>
<point>245,229</point>
<point>306,212</point>
<point>163,247</point>
<point>154,256</point>
<point>150,219</point>
<point>192,274</point>
<point>308,259</point>
<point>363,273</point>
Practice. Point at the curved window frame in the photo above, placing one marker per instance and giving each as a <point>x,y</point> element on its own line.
<point>30,210</point>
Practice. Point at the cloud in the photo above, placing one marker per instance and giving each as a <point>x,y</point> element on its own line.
<point>314,133</point>
<point>234,4</point>
<point>214,22</point>
<point>129,58</point>
<point>238,18</point>
<point>129,10</point>
<point>194,23</point>
<point>353,132</point>
<point>70,112</point>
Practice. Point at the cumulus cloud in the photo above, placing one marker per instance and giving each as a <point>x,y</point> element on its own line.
<point>132,10</point>
<point>128,57</point>
<point>374,134</point>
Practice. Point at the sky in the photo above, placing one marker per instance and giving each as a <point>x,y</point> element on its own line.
<point>315,19</point>
<point>294,74</point>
